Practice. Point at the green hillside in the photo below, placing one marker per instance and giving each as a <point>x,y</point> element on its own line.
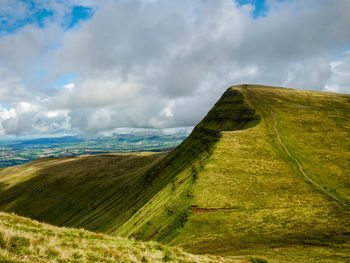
<point>278,189</point>
<point>95,192</point>
<point>102,192</point>
<point>265,173</point>
<point>25,240</point>
<point>165,215</point>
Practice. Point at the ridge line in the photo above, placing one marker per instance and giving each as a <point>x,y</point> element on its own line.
<point>286,150</point>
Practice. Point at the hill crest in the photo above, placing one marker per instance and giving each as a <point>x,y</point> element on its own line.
<point>234,184</point>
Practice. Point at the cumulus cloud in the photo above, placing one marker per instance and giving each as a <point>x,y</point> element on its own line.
<point>339,80</point>
<point>162,64</point>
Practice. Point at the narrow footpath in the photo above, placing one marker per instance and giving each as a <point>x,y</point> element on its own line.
<point>286,150</point>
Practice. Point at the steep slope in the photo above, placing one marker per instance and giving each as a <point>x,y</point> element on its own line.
<point>25,240</point>
<point>164,216</point>
<point>277,189</point>
<point>95,192</point>
<point>265,173</point>
<point>101,193</point>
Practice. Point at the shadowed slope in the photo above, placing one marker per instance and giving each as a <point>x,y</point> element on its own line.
<point>94,192</point>
<point>102,192</point>
<point>164,216</point>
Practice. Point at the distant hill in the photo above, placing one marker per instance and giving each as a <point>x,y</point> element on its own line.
<point>21,151</point>
<point>54,140</point>
<point>265,173</point>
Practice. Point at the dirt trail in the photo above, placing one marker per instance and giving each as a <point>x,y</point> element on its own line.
<point>300,167</point>
<point>286,150</point>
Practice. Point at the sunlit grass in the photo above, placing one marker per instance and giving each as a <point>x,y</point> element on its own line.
<point>269,203</point>
<point>25,240</point>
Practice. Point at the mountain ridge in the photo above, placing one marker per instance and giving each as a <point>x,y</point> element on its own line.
<point>237,184</point>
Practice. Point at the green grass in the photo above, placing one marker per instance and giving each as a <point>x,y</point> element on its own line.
<point>230,188</point>
<point>95,192</point>
<point>260,203</point>
<point>257,260</point>
<point>271,209</point>
<point>166,214</point>
<point>25,240</point>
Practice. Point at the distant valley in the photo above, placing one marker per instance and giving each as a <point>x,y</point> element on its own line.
<point>20,151</point>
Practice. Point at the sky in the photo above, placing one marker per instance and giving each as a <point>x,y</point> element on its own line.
<point>91,67</point>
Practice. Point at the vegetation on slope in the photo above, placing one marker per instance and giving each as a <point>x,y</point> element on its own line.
<point>103,192</point>
<point>25,240</point>
<point>251,197</point>
<point>165,215</point>
<point>94,192</point>
<point>265,173</point>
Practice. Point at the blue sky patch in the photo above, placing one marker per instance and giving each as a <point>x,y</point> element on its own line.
<point>5,105</point>
<point>37,15</point>
<point>260,6</point>
<point>64,80</point>
<point>340,50</point>
<point>80,13</point>
<point>41,15</point>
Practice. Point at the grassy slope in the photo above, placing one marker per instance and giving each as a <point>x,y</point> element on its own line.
<point>95,192</point>
<point>247,195</point>
<point>270,209</point>
<point>25,240</point>
<point>102,193</point>
<point>165,215</point>
<point>231,192</point>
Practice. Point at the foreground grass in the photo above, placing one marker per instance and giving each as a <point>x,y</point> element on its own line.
<point>25,240</point>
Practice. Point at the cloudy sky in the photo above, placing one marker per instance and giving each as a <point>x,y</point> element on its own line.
<point>92,66</point>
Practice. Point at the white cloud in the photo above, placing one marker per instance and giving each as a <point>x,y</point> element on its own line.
<point>339,80</point>
<point>168,110</point>
<point>331,88</point>
<point>52,114</point>
<point>164,63</point>
<point>69,86</point>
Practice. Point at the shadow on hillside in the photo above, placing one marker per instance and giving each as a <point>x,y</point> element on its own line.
<point>102,192</point>
<point>93,192</point>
